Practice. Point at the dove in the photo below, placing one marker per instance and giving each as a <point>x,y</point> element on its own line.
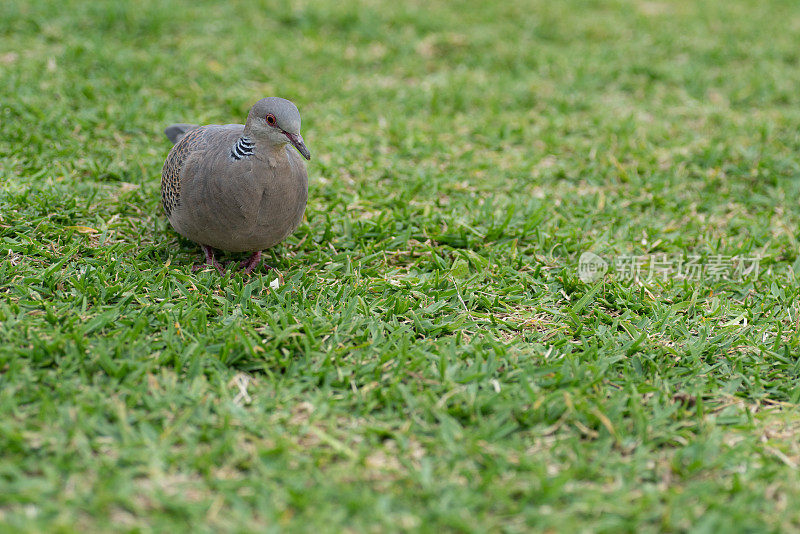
<point>237,188</point>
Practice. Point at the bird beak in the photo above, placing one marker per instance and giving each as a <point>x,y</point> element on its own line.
<point>297,141</point>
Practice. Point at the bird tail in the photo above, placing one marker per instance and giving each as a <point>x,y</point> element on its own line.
<point>175,132</point>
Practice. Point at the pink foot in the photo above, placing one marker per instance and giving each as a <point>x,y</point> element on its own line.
<point>251,263</point>
<point>210,260</point>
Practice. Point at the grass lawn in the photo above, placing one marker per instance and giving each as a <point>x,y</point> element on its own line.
<point>431,359</point>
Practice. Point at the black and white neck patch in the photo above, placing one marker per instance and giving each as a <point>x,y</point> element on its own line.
<point>242,148</point>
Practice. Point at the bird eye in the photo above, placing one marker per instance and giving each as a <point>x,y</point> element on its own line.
<point>271,119</point>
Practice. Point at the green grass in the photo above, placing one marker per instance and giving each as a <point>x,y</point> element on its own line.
<point>431,360</point>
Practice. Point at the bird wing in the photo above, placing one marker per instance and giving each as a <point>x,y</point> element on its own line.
<point>203,143</point>
<point>171,173</point>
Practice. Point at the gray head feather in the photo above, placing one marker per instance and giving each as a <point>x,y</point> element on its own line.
<point>285,114</point>
<point>276,121</point>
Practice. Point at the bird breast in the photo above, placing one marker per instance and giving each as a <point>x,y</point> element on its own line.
<point>245,205</point>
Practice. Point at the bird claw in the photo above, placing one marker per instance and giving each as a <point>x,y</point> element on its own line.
<point>250,264</point>
<point>210,261</point>
<point>200,266</point>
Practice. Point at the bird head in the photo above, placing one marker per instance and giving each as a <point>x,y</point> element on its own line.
<point>276,121</point>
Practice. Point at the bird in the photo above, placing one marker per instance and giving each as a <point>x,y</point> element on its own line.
<point>234,187</point>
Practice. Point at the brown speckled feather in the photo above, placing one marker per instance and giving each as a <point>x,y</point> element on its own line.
<point>171,173</point>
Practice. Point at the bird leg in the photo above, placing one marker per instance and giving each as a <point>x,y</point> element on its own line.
<point>250,264</point>
<point>210,260</point>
